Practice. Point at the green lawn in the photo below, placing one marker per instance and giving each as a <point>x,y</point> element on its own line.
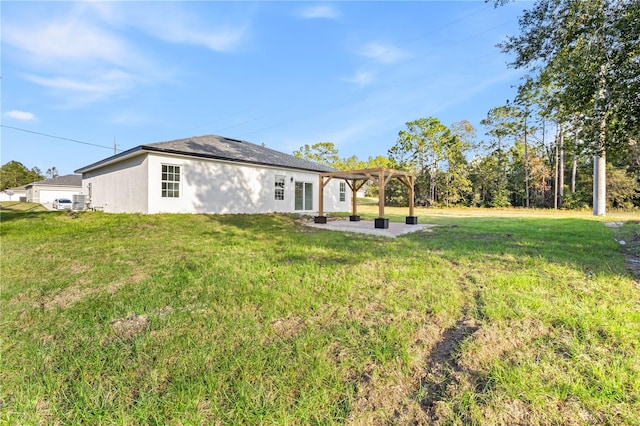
<point>18,206</point>
<point>491,317</point>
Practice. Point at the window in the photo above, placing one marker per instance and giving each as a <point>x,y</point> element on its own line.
<point>343,191</point>
<point>279,194</point>
<point>170,181</point>
<point>303,196</point>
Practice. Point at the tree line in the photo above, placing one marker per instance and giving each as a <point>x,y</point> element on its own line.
<point>524,160</point>
<point>14,174</point>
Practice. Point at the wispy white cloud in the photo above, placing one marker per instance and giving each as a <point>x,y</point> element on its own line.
<point>191,30</point>
<point>361,78</point>
<point>383,53</point>
<point>222,40</point>
<point>172,23</point>
<point>20,115</point>
<point>56,42</point>
<point>322,11</point>
<point>84,53</point>
<point>81,90</point>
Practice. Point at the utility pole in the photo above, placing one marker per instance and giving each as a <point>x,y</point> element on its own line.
<point>115,151</point>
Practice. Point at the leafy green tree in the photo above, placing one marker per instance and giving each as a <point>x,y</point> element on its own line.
<point>379,162</point>
<point>622,188</point>
<point>52,172</point>
<point>322,152</point>
<point>504,126</point>
<point>454,183</point>
<point>349,163</point>
<point>420,149</point>
<point>525,103</point>
<point>14,174</point>
<point>483,174</point>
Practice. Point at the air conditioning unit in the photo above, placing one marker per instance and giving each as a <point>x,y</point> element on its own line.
<point>79,202</point>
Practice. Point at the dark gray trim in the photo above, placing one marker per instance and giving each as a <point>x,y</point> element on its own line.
<point>108,160</point>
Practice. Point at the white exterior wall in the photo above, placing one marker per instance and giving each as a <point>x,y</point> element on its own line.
<point>118,188</point>
<point>213,186</point>
<point>15,197</point>
<point>45,194</point>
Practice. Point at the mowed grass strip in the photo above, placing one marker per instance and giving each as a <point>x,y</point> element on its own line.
<point>253,319</point>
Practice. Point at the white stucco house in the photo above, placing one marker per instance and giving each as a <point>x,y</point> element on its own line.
<point>208,174</point>
<point>45,191</point>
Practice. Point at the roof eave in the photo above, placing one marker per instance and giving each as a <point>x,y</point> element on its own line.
<point>110,160</point>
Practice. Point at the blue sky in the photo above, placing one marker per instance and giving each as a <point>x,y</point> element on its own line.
<point>280,73</point>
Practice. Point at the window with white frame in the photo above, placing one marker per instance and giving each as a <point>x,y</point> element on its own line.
<point>279,190</point>
<point>343,191</point>
<point>170,181</point>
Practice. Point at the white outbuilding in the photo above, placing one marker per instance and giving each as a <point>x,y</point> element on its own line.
<point>18,193</point>
<point>208,174</point>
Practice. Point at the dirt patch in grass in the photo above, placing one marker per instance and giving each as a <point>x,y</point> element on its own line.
<point>43,408</point>
<point>126,328</point>
<point>435,371</point>
<point>444,362</point>
<point>288,327</point>
<point>444,374</point>
<point>518,413</point>
<point>380,389</point>
<point>630,244</point>
<point>633,264</point>
<point>70,295</point>
<point>67,297</point>
<point>458,363</point>
<point>494,341</point>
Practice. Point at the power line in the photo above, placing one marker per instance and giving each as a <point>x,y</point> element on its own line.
<point>58,137</point>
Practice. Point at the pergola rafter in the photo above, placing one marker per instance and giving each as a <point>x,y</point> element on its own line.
<point>355,179</point>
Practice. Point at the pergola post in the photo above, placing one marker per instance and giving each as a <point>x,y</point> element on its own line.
<point>381,221</point>
<point>354,201</point>
<point>320,218</point>
<point>411,195</point>
<point>411,219</point>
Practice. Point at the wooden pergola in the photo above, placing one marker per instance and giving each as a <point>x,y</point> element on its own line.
<point>355,179</point>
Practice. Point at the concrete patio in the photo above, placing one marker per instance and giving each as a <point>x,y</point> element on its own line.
<point>367,227</point>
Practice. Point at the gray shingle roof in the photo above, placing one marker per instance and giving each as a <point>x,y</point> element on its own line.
<point>17,188</point>
<point>66,180</point>
<point>221,148</point>
<point>211,146</point>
